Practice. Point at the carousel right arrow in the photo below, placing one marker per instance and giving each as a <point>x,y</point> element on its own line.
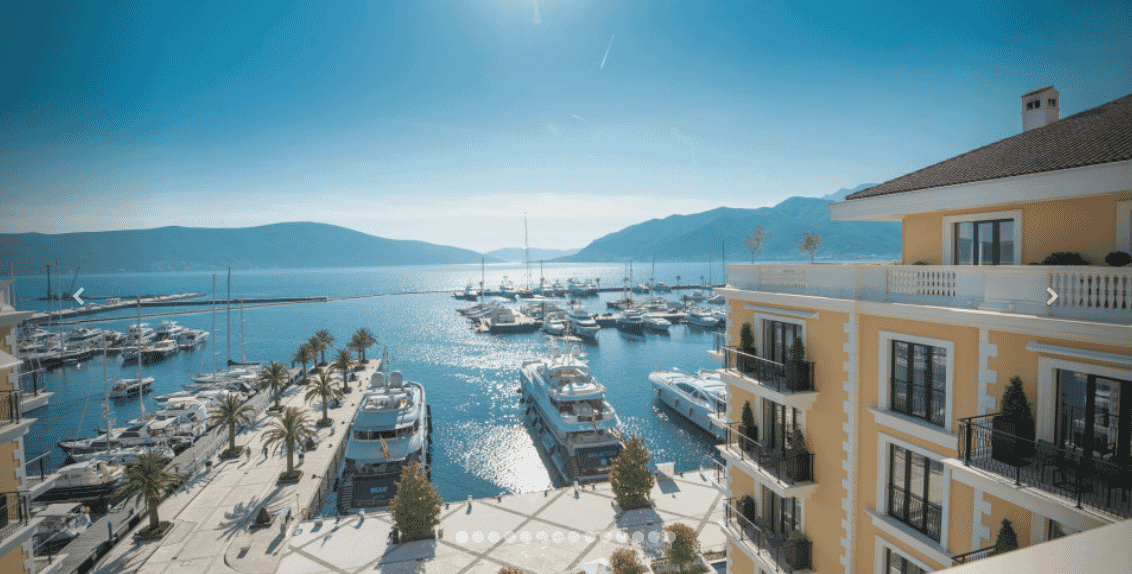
<point>1053,296</point>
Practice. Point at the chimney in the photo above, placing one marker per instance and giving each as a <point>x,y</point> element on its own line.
<point>1039,108</point>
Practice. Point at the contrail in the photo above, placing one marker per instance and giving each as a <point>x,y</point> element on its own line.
<point>607,52</point>
<point>577,117</point>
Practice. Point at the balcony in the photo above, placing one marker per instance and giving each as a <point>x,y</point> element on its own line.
<point>1102,294</point>
<point>911,509</point>
<point>764,544</point>
<point>968,557</point>
<point>13,513</point>
<point>788,474</point>
<point>790,384</point>
<point>1073,478</point>
<point>38,477</point>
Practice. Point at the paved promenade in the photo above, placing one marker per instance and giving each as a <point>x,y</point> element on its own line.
<point>211,513</point>
<point>552,532</point>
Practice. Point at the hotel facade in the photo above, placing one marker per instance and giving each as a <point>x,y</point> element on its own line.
<point>879,444</point>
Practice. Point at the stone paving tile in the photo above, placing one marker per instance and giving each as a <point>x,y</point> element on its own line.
<point>299,564</point>
<point>350,547</point>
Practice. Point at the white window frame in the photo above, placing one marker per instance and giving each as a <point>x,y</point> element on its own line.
<point>883,544</point>
<point>949,232</point>
<point>914,426</point>
<point>883,442</point>
<point>1046,402</point>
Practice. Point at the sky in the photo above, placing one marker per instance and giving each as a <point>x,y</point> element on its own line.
<point>446,121</point>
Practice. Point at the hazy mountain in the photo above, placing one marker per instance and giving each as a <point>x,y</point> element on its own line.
<point>712,234</point>
<point>281,246</point>
<point>516,254</point>
<point>840,194</point>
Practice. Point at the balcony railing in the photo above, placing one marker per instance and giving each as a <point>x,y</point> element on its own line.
<point>13,512</point>
<point>37,470</point>
<point>789,467</point>
<point>925,516</point>
<point>972,556</point>
<point>9,407</point>
<point>921,404</point>
<point>791,377</point>
<point>1103,293</point>
<point>759,535</point>
<point>1066,471</point>
<point>31,383</point>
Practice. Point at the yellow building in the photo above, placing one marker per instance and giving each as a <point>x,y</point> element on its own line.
<point>16,488</point>
<point>904,464</point>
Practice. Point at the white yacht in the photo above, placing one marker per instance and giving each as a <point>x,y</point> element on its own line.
<point>123,388</point>
<point>144,433</point>
<point>89,480</point>
<point>631,321</point>
<point>581,323</point>
<point>697,397</point>
<point>571,420</point>
<point>656,323</point>
<point>59,524</point>
<point>85,335</point>
<point>168,330</point>
<point>390,429</point>
<point>125,455</point>
<point>702,318</point>
<point>191,338</point>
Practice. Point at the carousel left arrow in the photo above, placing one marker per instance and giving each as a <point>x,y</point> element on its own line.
<point>76,296</point>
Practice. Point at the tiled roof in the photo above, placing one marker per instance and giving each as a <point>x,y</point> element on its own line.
<point>1099,135</point>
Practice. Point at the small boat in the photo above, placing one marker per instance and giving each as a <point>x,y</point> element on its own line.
<point>129,387</point>
<point>656,323</point>
<point>168,330</point>
<point>702,318</point>
<point>124,456</point>
<point>556,327</point>
<point>698,397</point>
<point>191,338</point>
<point>662,288</point>
<point>85,335</point>
<point>59,523</point>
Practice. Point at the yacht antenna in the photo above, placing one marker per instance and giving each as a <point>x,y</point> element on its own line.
<point>141,386</point>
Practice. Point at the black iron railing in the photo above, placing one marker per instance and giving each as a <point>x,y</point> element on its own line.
<point>789,467</point>
<point>1085,479</point>
<point>789,377</point>
<point>9,407</point>
<point>759,535</point>
<point>13,512</point>
<point>37,469</point>
<point>972,555</point>
<point>30,383</point>
<point>924,516</point>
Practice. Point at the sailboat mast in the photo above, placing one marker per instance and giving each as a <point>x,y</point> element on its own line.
<point>228,317</point>
<point>141,395</point>
<point>527,249</point>
<point>106,391</point>
<point>213,337</point>
<point>243,356</point>
<point>483,277</point>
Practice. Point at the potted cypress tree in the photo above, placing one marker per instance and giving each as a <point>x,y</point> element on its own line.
<point>1007,539</point>
<point>797,463</point>
<point>746,345</point>
<point>747,420</point>
<point>747,508</point>
<point>797,550</point>
<point>1012,440</point>
<point>797,369</point>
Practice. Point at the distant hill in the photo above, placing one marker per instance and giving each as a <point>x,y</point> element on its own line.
<point>277,246</point>
<point>516,254</point>
<point>700,236</point>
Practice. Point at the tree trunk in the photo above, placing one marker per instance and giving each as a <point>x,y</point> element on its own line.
<point>324,417</point>
<point>151,505</point>
<point>290,456</point>
<point>231,435</point>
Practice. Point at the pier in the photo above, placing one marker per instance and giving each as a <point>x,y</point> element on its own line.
<point>212,513</point>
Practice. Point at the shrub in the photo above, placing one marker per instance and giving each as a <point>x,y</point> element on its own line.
<point>1118,259</point>
<point>624,561</point>
<point>797,350</point>
<point>417,503</point>
<point>684,546</point>
<point>1064,258</point>
<point>1007,539</point>
<point>748,420</point>
<point>630,476</point>
<point>746,337</point>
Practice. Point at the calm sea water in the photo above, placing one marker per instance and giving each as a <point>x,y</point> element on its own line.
<point>480,446</point>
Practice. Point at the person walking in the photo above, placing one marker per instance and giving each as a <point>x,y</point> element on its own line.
<point>264,452</point>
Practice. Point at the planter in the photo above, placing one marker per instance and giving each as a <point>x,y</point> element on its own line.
<point>414,537</point>
<point>1012,442</point>
<point>797,553</point>
<point>751,432</point>
<point>637,506</point>
<point>798,467</point>
<point>146,534</point>
<point>798,376</point>
<point>230,453</point>
<point>290,477</point>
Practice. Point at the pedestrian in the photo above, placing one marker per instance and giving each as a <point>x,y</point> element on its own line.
<point>264,452</point>
<point>247,454</point>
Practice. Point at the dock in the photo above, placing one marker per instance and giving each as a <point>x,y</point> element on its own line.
<point>177,300</point>
<point>211,515</point>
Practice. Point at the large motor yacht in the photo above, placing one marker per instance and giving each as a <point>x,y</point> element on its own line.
<point>391,429</point>
<point>570,417</point>
<point>89,480</point>
<point>698,397</point>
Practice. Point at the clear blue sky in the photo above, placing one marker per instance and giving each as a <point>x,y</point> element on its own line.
<point>446,120</point>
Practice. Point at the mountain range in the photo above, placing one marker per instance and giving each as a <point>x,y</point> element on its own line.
<point>713,234</point>
<point>721,233</point>
<point>280,246</point>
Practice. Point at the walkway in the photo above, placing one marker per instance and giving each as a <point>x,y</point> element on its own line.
<point>541,532</point>
<point>211,514</point>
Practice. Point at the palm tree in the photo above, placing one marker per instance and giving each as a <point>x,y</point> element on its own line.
<point>274,378</point>
<point>232,412</point>
<point>323,388</point>
<point>150,479</point>
<point>304,355</point>
<point>362,340</point>
<point>327,340</point>
<point>290,428</point>
<point>318,347</point>
<point>344,361</point>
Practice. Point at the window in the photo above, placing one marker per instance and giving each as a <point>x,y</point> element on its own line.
<point>984,242</point>
<point>919,381</point>
<point>780,514</point>
<point>1052,102</point>
<point>777,338</point>
<point>915,490</point>
<point>1092,417</point>
<point>897,564</point>
<point>777,421</point>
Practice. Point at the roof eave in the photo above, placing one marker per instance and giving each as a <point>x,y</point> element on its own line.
<point>1100,179</point>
